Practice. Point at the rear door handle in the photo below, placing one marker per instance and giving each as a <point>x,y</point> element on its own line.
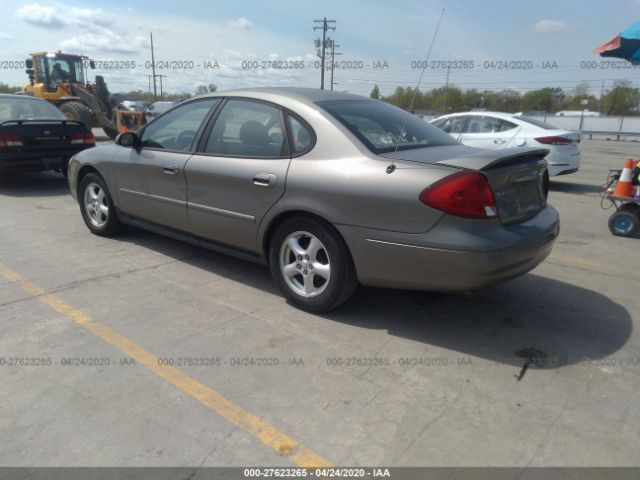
<point>170,169</point>
<point>264,179</point>
<point>499,141</point>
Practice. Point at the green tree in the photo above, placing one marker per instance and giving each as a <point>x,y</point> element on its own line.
<point>622,99</point>
<point>202,89</point>
<point>545,99</point>
<point>4,88</point>
<point>375,93</point>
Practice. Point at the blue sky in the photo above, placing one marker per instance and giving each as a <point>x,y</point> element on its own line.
<point>560,33</point>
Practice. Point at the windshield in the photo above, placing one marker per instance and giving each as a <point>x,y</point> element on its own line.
<point>537,123</point>
<point>28,109</point>
<point>381,126</point>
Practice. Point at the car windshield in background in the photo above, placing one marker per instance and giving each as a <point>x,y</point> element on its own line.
<point>537,123</point>
<point>28,109</point>
<point>382,127</point>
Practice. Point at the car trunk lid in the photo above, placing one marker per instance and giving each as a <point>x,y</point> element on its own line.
<point>518,176</point>
<point>35,135</point>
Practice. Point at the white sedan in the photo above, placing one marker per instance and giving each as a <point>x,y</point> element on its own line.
<point>496,130</point>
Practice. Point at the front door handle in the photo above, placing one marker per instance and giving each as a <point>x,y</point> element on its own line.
<point>170,169</point>
<point>499,141</point>
<point>264,179</point>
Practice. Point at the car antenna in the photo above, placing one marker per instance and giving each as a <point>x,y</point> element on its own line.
<point>392,166</point>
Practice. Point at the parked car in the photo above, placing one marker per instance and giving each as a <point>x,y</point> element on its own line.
<point>36,136</point>
<point>158,108</point>
<point>496,131</point>
<point>141,106</point>
<point>129,105</point>
<point>328,189</point>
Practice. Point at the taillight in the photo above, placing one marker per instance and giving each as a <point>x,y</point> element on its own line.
<point>10,141</point>
<point>466,194</point>
<point>554,140</point>
<point>86,137</point>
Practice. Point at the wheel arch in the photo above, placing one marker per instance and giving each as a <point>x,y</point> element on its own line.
<point>281,217</point>
<point>83,171</point>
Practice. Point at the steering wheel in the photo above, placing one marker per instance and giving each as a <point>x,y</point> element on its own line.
<point>185,139</point>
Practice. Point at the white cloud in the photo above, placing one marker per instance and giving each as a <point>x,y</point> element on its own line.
<point>106,41</point>
<point>57,17</point>
<point>551,26</point>
<point>40,15</point>
<point>240,23</point>
<point>5,36</point>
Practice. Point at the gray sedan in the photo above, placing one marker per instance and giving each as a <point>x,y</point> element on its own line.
<point>330,190</point>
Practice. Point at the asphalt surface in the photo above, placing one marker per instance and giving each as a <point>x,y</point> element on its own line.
<point>541,371</point>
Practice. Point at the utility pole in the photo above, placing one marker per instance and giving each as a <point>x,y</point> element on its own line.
<point>600,100</point>
<point>321,45</point>
<point>446,91</point>
<point>149,77</point>
<point>333,58</point>
<point>153,69</point>
<point>161,94</point>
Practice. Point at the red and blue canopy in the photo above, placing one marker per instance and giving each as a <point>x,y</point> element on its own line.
<point>626,45</point>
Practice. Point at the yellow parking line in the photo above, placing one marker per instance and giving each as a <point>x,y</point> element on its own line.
<point>576,260</point>
<point>259,428</point>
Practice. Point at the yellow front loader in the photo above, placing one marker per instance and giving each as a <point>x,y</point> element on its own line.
<point>61,79</point>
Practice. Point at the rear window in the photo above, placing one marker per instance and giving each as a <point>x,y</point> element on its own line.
<point>28,109</point>
<point>537,123</point>
<point>383,127</point>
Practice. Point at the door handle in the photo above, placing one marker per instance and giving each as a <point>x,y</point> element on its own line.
<point>499,141</point>
<point>170,169</point>
<point>264,179</point>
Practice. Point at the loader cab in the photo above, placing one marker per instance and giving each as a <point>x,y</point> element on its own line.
<point>50,70</point>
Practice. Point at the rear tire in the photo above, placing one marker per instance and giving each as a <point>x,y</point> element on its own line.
<point>97,208</point>
<point>311,264</point>
<point>79,112</point>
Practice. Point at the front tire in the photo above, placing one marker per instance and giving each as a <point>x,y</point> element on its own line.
<point>79,112</point>
<point>97,208</point>
<point>311,264</point>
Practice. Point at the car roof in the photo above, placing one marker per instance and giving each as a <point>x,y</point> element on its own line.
<point>306,95</point>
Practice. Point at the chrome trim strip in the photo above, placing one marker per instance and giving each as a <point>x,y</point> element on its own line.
<point>220,211</point>
<point>395,244</point>
<point>172,201</point>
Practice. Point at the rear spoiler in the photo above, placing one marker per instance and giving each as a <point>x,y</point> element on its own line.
<point>41,120</point>
<point>485,160</point>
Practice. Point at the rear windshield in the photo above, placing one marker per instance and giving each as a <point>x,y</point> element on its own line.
<point>28,109</point>
<point>383,127</point>
<point>537,123</point>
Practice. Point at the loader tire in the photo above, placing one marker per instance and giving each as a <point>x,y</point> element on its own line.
<point>79,112</point>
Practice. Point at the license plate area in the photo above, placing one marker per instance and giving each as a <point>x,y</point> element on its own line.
<point>522,198</point>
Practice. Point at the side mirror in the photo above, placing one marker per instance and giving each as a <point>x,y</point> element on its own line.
<point>28,63</point>
<point>129,140</point>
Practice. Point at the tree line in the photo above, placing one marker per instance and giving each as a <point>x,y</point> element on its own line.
<point>138,95</point>
<point>622,99</point>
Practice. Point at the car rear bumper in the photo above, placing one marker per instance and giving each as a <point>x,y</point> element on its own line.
<point>452,256</point>
<point>562,164</point>
<point>36,161</point>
